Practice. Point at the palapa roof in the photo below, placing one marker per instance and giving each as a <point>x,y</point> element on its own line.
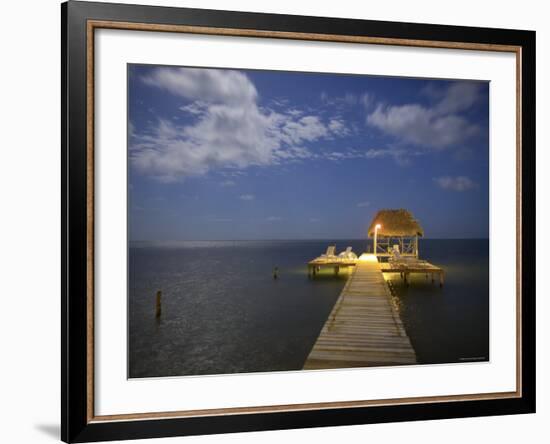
<point>395,223</point>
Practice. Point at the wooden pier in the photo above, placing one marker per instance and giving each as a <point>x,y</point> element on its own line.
<point>364,328</point>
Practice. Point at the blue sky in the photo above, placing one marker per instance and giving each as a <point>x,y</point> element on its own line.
<point>240,154</point>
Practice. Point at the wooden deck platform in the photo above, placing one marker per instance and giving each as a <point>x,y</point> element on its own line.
<point>418,267</point>
<point>404,268</point>
<point>334,263</point>
<point>363,329</point>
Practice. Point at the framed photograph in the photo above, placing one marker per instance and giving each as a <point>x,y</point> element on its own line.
<point>276,221</point>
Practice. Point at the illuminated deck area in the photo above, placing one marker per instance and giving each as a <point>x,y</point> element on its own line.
<point>405,266</point>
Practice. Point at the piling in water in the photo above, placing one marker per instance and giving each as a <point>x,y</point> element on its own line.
<point>158,304</point>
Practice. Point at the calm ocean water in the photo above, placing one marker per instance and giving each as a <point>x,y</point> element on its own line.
<point>222,312</point>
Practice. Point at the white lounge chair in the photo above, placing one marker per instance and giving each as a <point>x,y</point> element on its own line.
<point>331,249</point>
<point>397,259</point>
<point>347,254</point>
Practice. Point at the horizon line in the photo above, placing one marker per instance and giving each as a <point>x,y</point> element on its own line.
<point>297,239</point>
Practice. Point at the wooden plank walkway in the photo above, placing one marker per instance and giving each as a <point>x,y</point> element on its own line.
<point>363,328</point>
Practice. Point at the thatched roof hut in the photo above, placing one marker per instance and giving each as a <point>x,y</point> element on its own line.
<point>396,223</point>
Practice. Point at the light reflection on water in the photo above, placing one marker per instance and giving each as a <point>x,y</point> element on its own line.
<point>224,313</point>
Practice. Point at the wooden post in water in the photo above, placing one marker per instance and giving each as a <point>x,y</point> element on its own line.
<point>276,273</point>
<point>158,304</point>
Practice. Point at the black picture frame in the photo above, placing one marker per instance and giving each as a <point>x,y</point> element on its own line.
<point>76,423</point>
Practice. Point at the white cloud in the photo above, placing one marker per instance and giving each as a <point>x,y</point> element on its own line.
<point>195,108</point>
<point>366,99</point>
<point>232,173</point>
<point>459,97</point>
<point>228,183</point>
<point>274,218</point>
<point>421,126</point>
<point>230,130</point>
<point>375,153</point>
<point>437,127</point>
<point>347,99</point>
<point>247,197</point>
<point>308,128</point>
<point>295,153</point>
<point>399,155</point>
<point>205,85</point>
<point>458,183</point>
<point>280,102</point>
<point>336,155</point>
<point>295,112</point>
<point>363,204</point>
<point>338,127</point>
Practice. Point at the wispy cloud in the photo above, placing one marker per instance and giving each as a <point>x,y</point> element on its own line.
<point>247,197</point>
<point>366,100</point>
<point>435,128</point>
<point>375,153</point>
<point>308,128</point>
<point>225,111</point>
<point>295,112</point>
<point>228,183</point>
<point>363,204</point>
<point>274,218</point>
<point>344,99</point>
<point>195,108</point>
<point>338,127</point>
<point>401,156</point>
<point>458,183</point>
<point>459,97</point>
<point>232,173</point>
